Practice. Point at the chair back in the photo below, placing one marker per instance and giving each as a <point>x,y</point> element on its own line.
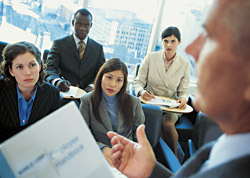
<point>153,121</point>
<point>131,87</point>
<point>205,130</point>
<point>172,162</point>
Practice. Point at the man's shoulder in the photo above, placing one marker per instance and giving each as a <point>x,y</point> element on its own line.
<point>63,39</point>
<point>93,42</point>
<point>239,167</point>
<point>48,86</point>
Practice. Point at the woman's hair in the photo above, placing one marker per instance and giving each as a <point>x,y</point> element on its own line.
<point>11,51</point>
<point>124,103</point>
<point>171,31</point>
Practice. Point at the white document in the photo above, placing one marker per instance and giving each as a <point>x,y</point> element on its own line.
<point>71,93</point>
<point>163,102</point>
<point>58,146</point>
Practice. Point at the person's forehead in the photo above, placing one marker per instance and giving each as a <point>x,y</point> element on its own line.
<point>80,17</point>
<point>25,57</point>
<point>214,23</point>
<point>170,37</point>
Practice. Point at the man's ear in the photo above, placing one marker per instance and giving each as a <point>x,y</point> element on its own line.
<point>11,73</point>
<point>180,42</point>
<point>72,22</point>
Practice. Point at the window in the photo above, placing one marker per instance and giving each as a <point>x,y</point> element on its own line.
<point>188,16</point>
<point>128,29</point>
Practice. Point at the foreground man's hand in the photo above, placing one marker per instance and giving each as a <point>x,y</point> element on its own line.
<point>135,160</point>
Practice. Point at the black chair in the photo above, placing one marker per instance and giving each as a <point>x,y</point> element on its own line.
<point>205,130</point>
<point>153,122</point>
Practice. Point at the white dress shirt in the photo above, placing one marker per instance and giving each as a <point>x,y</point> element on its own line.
<point>228,148</point>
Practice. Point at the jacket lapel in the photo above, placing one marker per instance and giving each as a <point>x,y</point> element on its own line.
<point>120,122</point>
<point>10,97</point>
<point>160,66</point>
<point>88,50</point>
<point>72,45</point>
<point>39,102</point>
<point>174,66</point>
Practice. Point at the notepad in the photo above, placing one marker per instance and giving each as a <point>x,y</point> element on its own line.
<point>74,92</point>
<point>163,102</point>
<point>71,93</point>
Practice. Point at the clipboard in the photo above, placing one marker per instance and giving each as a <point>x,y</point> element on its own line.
<point>167,109</point>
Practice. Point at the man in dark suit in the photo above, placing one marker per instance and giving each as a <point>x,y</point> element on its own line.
<point>65,64</point>
<point>223,93</point>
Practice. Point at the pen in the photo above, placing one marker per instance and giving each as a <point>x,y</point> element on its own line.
<point>148,91</point>
<point>65,81</point>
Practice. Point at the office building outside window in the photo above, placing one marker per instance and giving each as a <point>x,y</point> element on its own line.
<point>127,29</point>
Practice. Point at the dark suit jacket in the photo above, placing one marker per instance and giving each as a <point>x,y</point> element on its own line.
<point>99,130</point>
<point>46,101</point>
<point>236,168</point>
<point>63,60</point>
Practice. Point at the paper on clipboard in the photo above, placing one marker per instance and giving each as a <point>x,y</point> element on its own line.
<point>163,102</point>
<point>71,93</point>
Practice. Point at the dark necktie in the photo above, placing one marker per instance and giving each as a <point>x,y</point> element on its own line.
<point>81,49</point>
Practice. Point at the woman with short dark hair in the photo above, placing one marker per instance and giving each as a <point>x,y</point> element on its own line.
<point>165,73</point>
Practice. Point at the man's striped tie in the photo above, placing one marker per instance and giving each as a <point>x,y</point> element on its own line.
<point>81,49</point>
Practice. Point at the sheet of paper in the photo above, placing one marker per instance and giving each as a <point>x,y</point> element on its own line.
<point>163,102</point>
<point>59,146</point>
<point>71,93</point>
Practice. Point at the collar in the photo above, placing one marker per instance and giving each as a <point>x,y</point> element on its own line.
<point>165,59</point>
<point>77,40</point>
<point>19,96</point>
<point>228,148</point>
<point>110,99</point>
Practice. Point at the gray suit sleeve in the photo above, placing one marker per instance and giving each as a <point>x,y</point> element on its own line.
<point>139,117</point>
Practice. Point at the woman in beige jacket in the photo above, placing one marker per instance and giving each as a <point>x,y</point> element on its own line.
<point>164,73</point>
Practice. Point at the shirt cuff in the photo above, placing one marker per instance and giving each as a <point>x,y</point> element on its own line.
<point>103,148</point>
<point>91,85</point>
<point>55,80</point>
<point>137,90</point>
